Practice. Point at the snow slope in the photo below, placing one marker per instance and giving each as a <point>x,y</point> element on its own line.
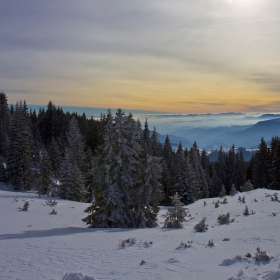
<point>37,245</point>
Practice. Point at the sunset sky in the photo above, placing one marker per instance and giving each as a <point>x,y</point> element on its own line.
<point>192,56</point>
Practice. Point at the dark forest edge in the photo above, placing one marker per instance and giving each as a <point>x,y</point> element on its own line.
<point>122,169</point>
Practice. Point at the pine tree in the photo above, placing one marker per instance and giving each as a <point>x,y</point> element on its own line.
<point>45,176</point>
<point>221,170</point>
<point>4,124</point>
<point>72,174</point>
<point>169,172</point>
<point>216,185</point>
<point>126,185</point>
<point>199,174</point>
<point>175,216</point>
<point>261,166</point>
<point>19,153</point>
<point>146,140</point>
<point>149,193</point>
<point>55,157</point>
<point>156,146</point>
<point>274,164</point>
<point>120,176</point>
<point>75,143</point>
<point>72,184</point>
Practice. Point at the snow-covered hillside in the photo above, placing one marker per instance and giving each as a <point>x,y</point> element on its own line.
<point>37,245</point>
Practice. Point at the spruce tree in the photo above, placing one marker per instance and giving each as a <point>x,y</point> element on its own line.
<point>175,216</point>
<point>156,146</point>
<point>126,185</point>
<point>20,153</point>
<point>72,183</point>
<point>4,124</point>
<point>73,168</point>
<point>261,166</point>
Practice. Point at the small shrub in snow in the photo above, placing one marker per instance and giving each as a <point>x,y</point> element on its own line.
<point>185,245</point>
<point>274,197</point>
<point>255,200</point>
<point>51,202</point>
<point>128,241</point>
<point>225,201</point>
<point>242,199</point>
<point>248,255</point>
<point>211,243</point>
<point>217,204</point>
<point>224,219</point>
<point>142,262</point>
<point>25,206</point>
<point>261,255</point>
<point>147,243</point>
<point>273,214</point>
<point>226,239</point>
<point>204,203</point>
<point>201,226</point>
<point>246,211</point>
<point>54,212</point>
<point>238,257</point>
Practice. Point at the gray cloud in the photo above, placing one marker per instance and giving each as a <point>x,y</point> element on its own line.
<point>138,40</point>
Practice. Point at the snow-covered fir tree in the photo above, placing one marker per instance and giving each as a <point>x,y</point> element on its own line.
<point>20,152</point>
<point>175,216</point>
<point>4,124</point>
<point>72,182</point>
<point>73,167</point>
<point>123,183</point>
<point>149,193</point>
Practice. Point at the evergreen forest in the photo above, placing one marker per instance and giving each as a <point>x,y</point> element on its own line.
<point>118,165</point>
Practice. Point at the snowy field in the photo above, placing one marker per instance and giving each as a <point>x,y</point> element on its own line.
<point>37,245</point>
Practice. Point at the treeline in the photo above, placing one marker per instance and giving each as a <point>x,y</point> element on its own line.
<point>121,168</point>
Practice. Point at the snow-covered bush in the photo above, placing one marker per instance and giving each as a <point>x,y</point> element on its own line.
<point>51,202</point>
<point>247,187</point>
<point>246,211</point>
<point>225,201</point>
<point>201,226</point>
<point>128,241</point>
<point>210,243</point>
<point>248,255</point>
<point>224,219</point>
<point>242,199</point>
<point>175,216</point>
<point>261,255</point>
<point>274,197</point>
<point>185,245</point>
<point>25,206</point>
<point>54,212</point>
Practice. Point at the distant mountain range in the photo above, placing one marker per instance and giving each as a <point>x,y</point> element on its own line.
<point>247,136</point>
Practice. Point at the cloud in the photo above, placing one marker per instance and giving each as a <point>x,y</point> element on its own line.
<point>203,103</point>
<point>112,48</point>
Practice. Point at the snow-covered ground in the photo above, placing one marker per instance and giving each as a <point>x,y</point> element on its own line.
<point>37,245</point>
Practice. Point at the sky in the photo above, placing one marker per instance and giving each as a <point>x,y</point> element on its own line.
<point>195,56</point>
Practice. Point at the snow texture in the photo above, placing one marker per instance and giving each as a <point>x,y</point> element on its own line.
<point>37,245</point>
<point>77,276</point>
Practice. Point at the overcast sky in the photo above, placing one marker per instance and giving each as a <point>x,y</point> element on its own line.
<point>192,56</point>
